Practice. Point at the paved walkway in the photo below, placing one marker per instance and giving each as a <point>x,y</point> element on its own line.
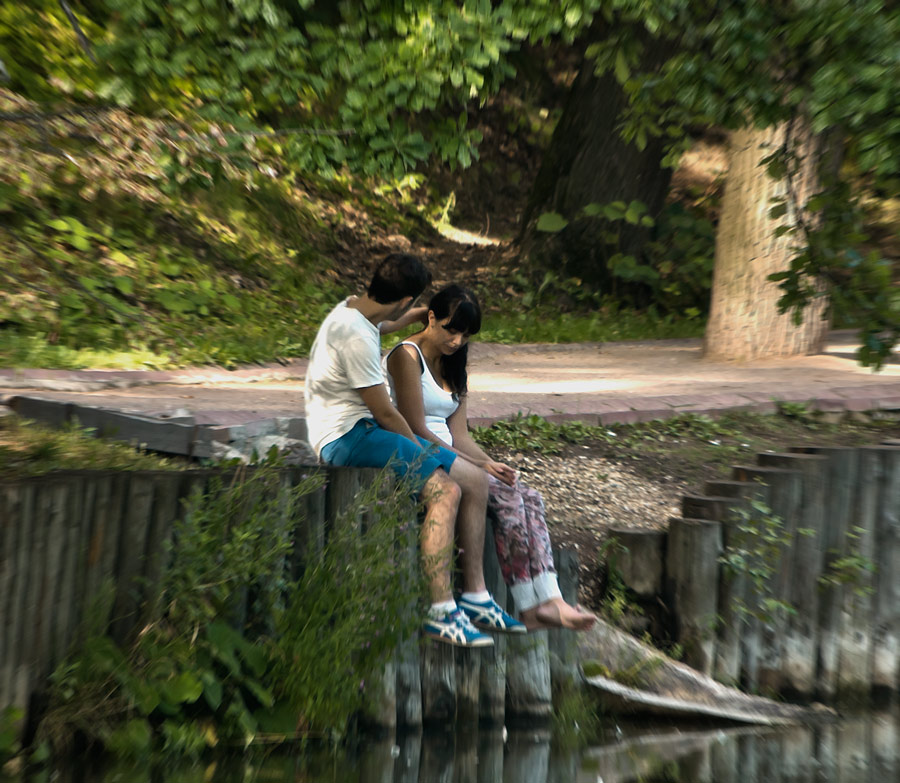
<point>608,382</point>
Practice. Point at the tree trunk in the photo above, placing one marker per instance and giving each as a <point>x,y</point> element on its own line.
<point>744,322</point>
<point>589,162</point>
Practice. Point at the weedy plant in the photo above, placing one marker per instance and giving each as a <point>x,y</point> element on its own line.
<point>253,634</point>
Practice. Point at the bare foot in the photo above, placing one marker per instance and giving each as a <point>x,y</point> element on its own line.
<point>530,620</point>
<point>558,614</point>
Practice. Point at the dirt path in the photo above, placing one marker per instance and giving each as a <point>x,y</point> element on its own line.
<point>612,381</point>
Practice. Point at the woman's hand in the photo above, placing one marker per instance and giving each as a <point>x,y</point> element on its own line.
<point>500,471</point>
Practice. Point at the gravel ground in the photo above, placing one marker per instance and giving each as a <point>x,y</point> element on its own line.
<point>585,495</point>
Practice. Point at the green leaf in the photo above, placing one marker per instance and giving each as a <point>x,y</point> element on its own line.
<point>551,222</point>
<point>621,67</point>
<point>212,689</point>
<point>185,688</point>
<point>125,285</point>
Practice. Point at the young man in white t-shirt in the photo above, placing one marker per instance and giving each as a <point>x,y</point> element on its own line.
<point>352,421</point>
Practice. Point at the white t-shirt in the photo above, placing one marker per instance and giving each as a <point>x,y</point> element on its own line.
<point>345,356</point>
<point>439,404</point>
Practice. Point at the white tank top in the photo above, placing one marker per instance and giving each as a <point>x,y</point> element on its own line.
<point>439,403</point>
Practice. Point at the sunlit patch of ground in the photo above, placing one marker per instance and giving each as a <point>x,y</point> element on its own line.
<point>464,237</point>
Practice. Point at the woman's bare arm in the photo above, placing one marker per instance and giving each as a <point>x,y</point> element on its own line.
<point>411,316</point>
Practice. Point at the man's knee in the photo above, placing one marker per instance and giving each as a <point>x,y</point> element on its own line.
<point>471,479</point>
<point>440,488</point>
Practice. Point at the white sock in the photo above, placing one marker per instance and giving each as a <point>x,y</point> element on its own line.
<point>478,598</point>
<point>441,608</point>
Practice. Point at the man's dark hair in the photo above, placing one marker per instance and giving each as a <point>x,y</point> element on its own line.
<point>397,276</point>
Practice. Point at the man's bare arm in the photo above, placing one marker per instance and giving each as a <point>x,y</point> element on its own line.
<point>383,411</point>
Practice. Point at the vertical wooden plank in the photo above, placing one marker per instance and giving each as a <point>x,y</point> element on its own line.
<point>438,756</point>
<point>468,676</point>
<point>438,679</point>
<point>802,638</point>
<point>885,732</point>
<point>406,765</point>
<point>53,498</point>
<point>747,627</point>
<point>692,576</point>
<point>167,488</point>
<point>88,555</point>
<point>409,678</point>
<point>134,525</point>
<point>528,759</point>
<point>66,614</point>
<point>728,512</point>
<point>10,526</point>
<point>854,677</point>
<point>840,485</point>
<point>886,641</point>
<point>529,694</point>
<point>783,499</point>
<point>22,621</point>
<point>565,673</point>
<point>465,757</point>
<point>490,755</point>
<point>492,687</point>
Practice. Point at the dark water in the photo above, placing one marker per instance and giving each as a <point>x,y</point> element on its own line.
<point>857,750</point>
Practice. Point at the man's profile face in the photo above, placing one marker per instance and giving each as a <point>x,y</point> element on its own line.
<point>402,307</point>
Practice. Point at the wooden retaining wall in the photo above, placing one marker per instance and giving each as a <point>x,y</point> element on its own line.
<point>66,534</point>
<point>841,639</point>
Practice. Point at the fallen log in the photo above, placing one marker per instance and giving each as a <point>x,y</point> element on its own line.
<point>632,677</point>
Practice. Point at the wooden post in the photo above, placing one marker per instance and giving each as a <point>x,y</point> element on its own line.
<point>67,615</point>
<point>492,696</point>
<point>886,625</point>
<point>802,638</point>
<point>840,494</point>
<point>783,496</point>
<point>409,679</point>
<point>639,557</point>
<point>732,587</point>
<point>438,683</point>
<point>490,755</point>
<point>738,588</point>
<point>528,688</point>
<point>565,673</point>
<point>16,507</point>
<point>468,678</point>
<point>135,523</point>
<point>692,577</point>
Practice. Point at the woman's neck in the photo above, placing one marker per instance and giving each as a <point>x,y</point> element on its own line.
<point>430,351</point>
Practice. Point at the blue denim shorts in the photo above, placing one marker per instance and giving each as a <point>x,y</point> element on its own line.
<point>369,445</point>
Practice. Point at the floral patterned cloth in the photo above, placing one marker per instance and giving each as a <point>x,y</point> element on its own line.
<point>522,540</point>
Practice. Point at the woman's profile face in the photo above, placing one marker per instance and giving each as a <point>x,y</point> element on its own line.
<point>448,340</point>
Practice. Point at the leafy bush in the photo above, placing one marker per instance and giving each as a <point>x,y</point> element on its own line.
<point>235,647</point>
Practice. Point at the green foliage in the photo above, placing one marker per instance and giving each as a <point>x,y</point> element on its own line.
<point>825,68</point>
<point>28,449</point>
<point>351,608</point>
<point>534,433</point>
<point>10,721</point>
<point>674,268</point>
<point>237,646</point>
<point>761,543</point>
<point>849,567</point>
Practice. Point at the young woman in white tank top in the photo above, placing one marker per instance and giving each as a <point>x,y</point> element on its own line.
<point>428,382</point>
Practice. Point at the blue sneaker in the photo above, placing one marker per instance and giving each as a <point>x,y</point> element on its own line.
<point>490,617</point>
<point>455,628</point>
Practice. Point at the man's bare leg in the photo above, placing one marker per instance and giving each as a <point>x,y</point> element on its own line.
<point>442,498</point>
<point>470,521</point>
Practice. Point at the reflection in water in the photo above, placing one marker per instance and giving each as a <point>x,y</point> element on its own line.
<point>858,750</point>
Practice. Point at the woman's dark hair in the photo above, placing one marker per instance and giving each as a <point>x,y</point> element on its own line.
<point>397,276</point>
<point>461,306</point>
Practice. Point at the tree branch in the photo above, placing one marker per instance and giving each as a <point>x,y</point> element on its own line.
<point>82,38</point>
